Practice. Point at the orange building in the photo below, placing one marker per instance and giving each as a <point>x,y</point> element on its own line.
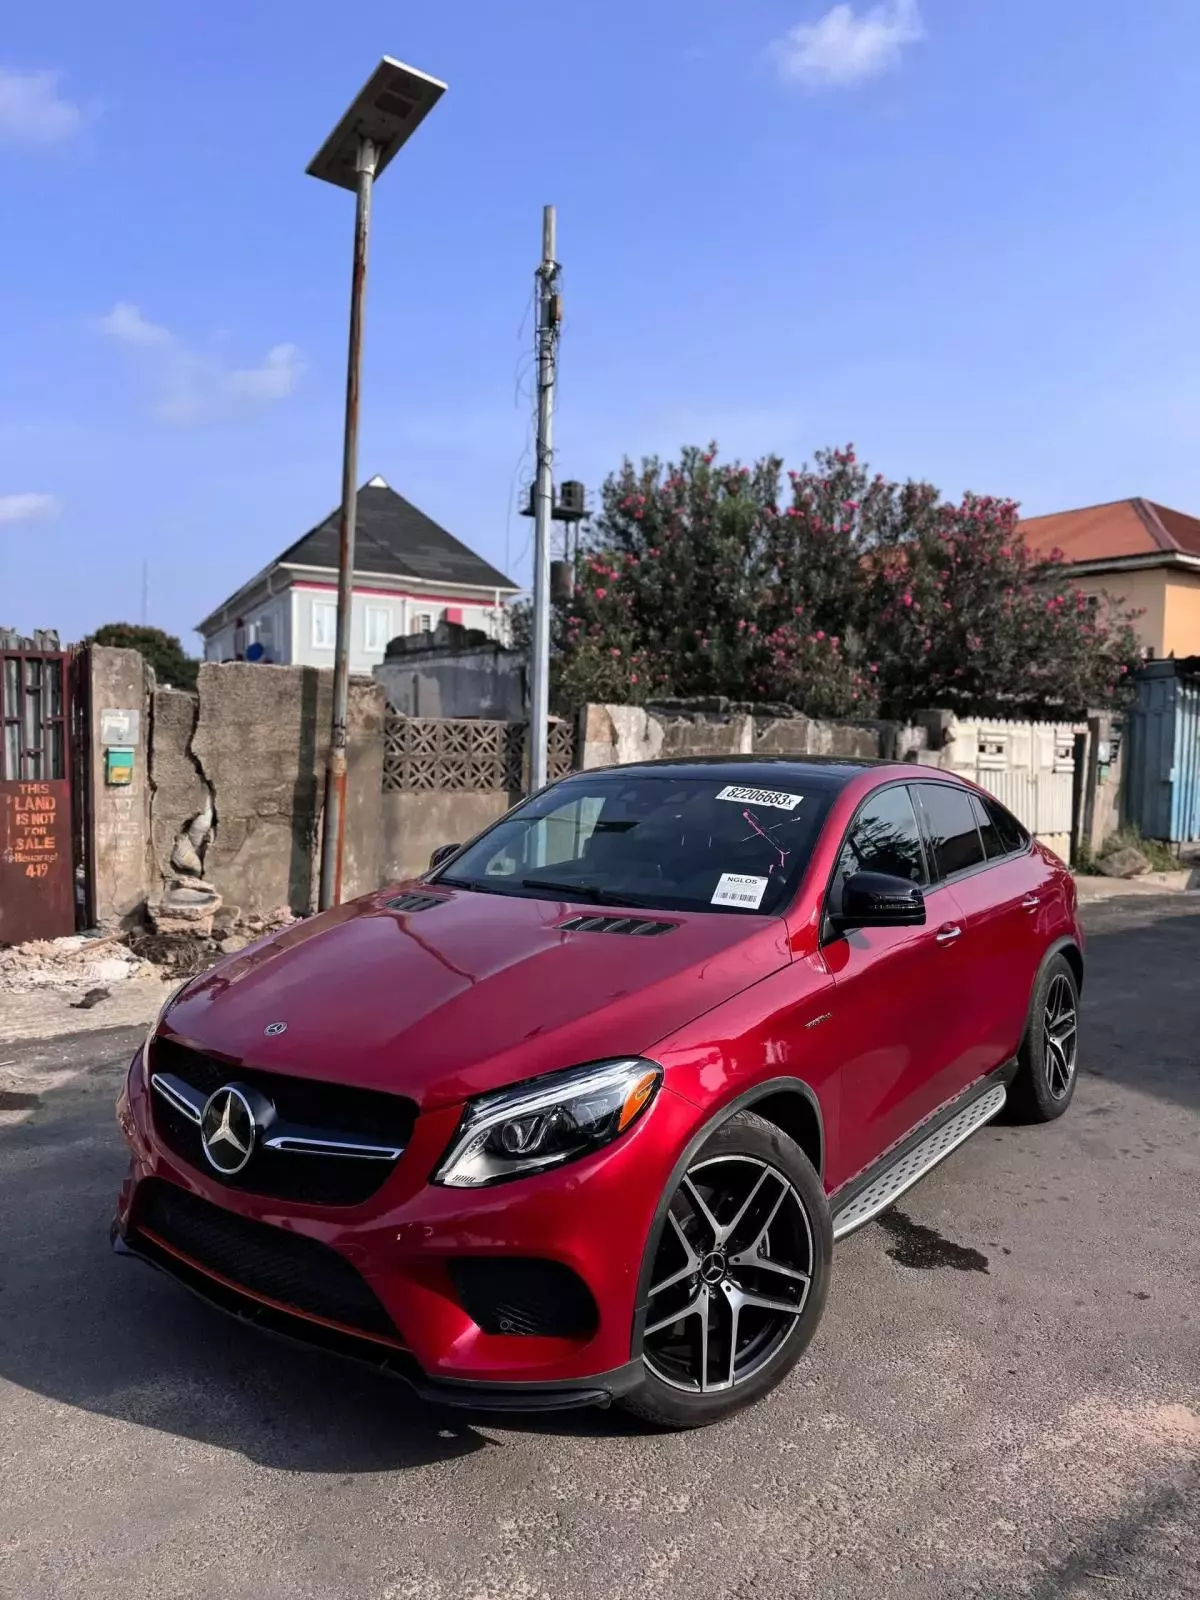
<point>1139,553</point>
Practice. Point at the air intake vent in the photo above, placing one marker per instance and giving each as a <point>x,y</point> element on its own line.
<point>415,902</point>
<point>636,927</point>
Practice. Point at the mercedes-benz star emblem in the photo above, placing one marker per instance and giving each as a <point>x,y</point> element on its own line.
<point>273,1028</point>
<point>227,1130</point>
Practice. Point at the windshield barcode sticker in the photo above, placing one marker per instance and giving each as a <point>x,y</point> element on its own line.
<point>738,889</point>
<point>760,797</point>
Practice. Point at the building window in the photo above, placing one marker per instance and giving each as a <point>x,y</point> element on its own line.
<point>378,628</point>
<point>324,624</point>
<point>421,622</point>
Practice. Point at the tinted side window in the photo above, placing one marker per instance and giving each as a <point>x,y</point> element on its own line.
<point>1012,835</point>
<point>992,843</point>
<point>952,831</point>
<point>885,838</point>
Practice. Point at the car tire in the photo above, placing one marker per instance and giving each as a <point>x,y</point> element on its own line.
<point>749,1291</point>
<point>1048,1060</point>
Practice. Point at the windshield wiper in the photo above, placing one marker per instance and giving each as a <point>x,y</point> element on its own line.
<point>587,891</point>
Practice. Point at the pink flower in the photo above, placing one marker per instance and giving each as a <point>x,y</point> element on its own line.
<point>873,666</point>
<point>835,641</point>
<point>907,599</point>
<point>820,633</point>
<point>929,644</point>
<point>600,593</point>
<point>614,653</point>
<point>633,677</point>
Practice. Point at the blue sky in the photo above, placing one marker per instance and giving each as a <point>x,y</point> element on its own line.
<point>964,234</point>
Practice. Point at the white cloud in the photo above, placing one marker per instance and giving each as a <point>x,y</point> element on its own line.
<point>32,111</point>
<point>193,385</point>
<point>29,507</point>
<point>275,379</point>
<point>841,49</point>
<point>126,323</point>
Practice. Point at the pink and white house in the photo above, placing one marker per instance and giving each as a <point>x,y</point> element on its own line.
<point>409,575</point>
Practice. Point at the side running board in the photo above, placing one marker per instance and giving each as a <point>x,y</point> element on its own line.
<point>887,1187</point>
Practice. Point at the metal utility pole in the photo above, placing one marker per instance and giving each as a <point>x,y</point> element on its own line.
<point>549,319</point>
<point>333,833</point>
<point>388,109</point>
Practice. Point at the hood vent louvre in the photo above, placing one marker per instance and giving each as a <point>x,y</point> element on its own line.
<point>636,927</point>
<point>415,902</point>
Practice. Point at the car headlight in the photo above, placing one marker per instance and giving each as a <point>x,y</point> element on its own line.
<point>152,1030</point>
<point>534,1126</point>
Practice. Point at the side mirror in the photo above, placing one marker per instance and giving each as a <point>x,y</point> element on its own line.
<point>878,900</point>
<point>445,851</point>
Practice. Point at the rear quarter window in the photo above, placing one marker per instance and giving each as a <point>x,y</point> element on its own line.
<point>953,832</point>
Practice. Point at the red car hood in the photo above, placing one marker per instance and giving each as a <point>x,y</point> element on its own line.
<point>479,992</point>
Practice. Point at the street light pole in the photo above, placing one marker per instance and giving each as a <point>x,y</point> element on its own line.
<point>549,316</point>
<point>391,105</point>
<point>334,830</point>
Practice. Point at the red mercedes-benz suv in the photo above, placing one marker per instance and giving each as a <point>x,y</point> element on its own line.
<point>578,1116</point>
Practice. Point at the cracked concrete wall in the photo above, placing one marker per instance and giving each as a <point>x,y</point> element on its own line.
<point>260,743</point>
<point>177,791</point>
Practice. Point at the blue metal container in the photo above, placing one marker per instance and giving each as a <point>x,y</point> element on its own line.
<point>1162,752</point>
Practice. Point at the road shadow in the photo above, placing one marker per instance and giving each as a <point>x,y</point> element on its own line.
<point>1140,1011</point>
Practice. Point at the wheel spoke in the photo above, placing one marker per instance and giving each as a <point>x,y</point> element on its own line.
<point>701,1206</point>
<point>690,1264</point>
<point>756,1243</point>
<point>764,1264</point>
<point>704,1300</point>
<point>728,1233</point>
<point>763,1302</point>
<point>689,1310</point>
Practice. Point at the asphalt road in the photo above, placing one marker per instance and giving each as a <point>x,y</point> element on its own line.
<point>1003,1399</point>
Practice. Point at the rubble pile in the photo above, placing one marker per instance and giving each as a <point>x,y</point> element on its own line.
<point>84,960</point>
<point>181,948</point>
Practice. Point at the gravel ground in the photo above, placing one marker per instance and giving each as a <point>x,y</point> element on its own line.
<point>1003,1399</point>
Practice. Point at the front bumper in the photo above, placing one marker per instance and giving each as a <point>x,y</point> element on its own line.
<point>592,1217</point>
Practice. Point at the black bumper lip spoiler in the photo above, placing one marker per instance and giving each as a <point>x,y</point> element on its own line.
<point>295,1329</point>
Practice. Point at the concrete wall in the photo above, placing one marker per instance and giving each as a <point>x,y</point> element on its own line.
<point>259,744</point>
<point>417,821</point>
<point>486,681</point>
<point>611,735</point>
<point>120,854</point>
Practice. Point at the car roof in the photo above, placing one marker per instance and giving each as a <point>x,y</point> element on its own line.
<point>831,772</point>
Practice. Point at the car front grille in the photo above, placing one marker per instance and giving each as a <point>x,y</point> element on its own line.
<point>337,1111</point>
<point>286,1268</point>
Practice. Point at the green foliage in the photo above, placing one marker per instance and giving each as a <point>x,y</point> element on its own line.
<point>172,665</point>
<point>860,597</point>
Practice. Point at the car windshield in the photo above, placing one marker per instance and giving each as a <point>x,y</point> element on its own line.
<point>658,840</point>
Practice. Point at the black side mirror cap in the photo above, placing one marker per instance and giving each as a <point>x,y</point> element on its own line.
<point>442,853</point>
<point>879,900</point>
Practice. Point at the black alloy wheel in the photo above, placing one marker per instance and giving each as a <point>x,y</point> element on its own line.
<point>739,1276</point>
<point>1048,1060</point>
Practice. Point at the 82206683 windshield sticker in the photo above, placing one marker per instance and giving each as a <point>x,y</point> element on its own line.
<point>760,797</point>
<point>739,889</point>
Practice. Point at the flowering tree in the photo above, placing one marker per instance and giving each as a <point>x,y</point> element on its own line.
<point>860,596</point>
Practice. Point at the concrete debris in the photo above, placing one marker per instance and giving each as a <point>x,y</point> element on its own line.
<point>1127,863</point>
<point>80,960</point>
<point>188,905</point>
<point>184,950</point>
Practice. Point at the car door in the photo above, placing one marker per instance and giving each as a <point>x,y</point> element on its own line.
<point>1012,899</point>
<point>898,991</point>
<point>994,927</point>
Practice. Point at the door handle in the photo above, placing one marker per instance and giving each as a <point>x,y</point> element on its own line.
<point>1031,902</point>
<point>949,934</point>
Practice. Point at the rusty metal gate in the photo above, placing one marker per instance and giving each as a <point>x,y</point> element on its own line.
<point>37,840</point>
